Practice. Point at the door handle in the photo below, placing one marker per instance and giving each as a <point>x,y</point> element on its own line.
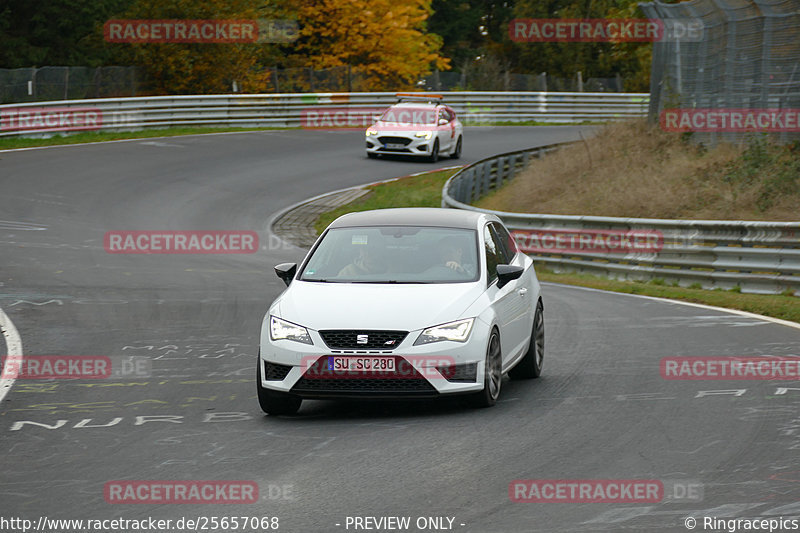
<point>523,291</point>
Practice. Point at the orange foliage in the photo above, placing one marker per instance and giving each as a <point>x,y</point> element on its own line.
<point>383,40</point>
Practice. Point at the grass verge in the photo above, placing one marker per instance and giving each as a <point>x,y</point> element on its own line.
<point>10,143</point>
<point>632,169</point>
<point>425,191</point>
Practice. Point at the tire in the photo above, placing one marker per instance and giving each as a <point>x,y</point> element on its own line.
<point>492,374</point>
<point>531,365</point>
<point>372,155</point>
<point>274,402</point>
<point>457,153</point>
<point>434,157</point>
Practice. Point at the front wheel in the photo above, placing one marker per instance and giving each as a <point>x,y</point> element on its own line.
<point>434,157</point>
<point>492,374</point>
<point>275,402</point>
<point>457,152</point>
<point>372,155</point>
<point>531,364</point>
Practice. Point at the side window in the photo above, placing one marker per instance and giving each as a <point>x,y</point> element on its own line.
<point>492,252</point>
<point>443,115</point>
<point>506,242</point>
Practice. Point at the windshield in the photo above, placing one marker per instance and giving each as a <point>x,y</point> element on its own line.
<point>394,254</point>
<point>423,116</point>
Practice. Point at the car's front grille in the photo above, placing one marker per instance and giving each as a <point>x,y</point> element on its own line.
<point>366,385</point>
<point>356,339</point>
<point>319,380</point>
<point>394,140</point>
<point>275,372</point>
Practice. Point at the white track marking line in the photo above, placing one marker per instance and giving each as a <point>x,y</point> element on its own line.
<point>680,302</point>
<point>14,346</point>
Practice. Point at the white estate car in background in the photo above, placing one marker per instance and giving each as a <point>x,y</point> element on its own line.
<point>402,303</point>
<point>420,125</point>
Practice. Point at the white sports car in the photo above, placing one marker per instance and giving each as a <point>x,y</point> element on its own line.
<point>402,303</point>
<point>420,125</point>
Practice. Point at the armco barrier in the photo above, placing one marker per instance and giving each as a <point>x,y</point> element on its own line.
<point>758,257</point>
<point>286,110</point>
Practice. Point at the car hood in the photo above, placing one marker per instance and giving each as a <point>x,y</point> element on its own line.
<point>399,306</point>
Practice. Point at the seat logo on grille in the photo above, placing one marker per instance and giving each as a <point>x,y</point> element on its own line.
<point>362,339</point>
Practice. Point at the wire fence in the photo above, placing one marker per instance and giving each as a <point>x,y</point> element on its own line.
<point>77,83</point>
<point>746,56</point>
<point>70,83</point>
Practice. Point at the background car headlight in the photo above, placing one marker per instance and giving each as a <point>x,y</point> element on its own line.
<point>371,132</point>
<point>281,329</point>
<point>457,331</point>
<point>424,134</point>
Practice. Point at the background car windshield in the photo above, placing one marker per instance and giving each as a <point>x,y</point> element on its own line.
<point>395,254</point>
<point>410,115</point>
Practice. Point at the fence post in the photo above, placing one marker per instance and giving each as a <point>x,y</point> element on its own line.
<point>97,75</point>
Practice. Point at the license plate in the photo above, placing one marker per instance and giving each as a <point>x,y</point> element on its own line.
<point>394,146</point>
<point>361,364</point>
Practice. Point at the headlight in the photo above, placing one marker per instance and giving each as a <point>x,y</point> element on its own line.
<point>457,331</point>
<point>424,134</point>
<point>371,132</point>
<point>281,329</point>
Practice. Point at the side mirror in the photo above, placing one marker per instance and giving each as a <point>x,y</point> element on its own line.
<point>506,273</point>
<point>286,272</point>
<point>443,122</point>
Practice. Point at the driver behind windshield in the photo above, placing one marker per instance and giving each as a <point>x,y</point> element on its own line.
<point>368,260</point>
<point>450,253</point>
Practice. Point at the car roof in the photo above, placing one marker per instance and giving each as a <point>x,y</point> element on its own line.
<point>411,216</point>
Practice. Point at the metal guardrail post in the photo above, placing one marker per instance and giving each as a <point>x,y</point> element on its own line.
<point>501,172</point>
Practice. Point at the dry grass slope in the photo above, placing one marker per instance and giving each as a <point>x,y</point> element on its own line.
<point>633,170</point>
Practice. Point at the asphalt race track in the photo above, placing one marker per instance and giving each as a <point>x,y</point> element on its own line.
<point>602,411</point>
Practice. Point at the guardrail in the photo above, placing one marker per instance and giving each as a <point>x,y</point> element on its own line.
<point>758,257</point>
<point>287,110</point>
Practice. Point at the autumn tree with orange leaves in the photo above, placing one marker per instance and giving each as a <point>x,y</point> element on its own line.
<point>384,41</point>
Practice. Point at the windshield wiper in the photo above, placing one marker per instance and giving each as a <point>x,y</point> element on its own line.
<point>391,282</point>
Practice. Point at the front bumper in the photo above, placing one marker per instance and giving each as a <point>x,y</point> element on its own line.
<point>425,371</point>
<point>399,143</point>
